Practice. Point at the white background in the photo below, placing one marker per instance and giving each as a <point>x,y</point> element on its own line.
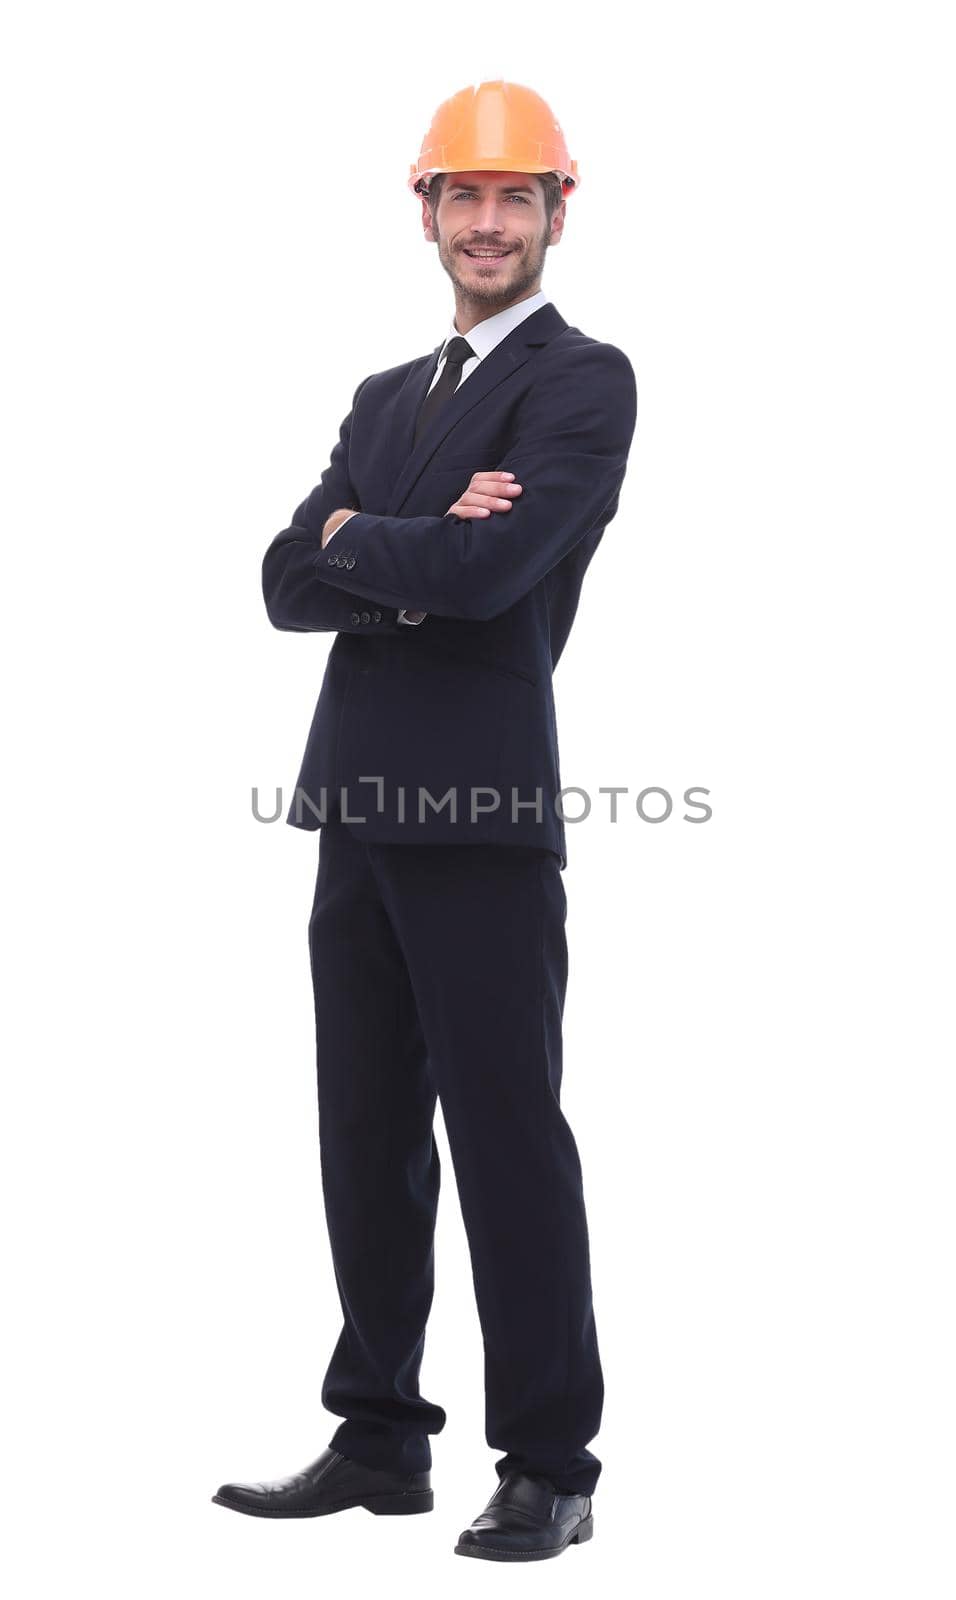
<point>210,243</point>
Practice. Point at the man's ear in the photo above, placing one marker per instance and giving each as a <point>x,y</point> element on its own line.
<point>557,224</point>
<point>427,221</point>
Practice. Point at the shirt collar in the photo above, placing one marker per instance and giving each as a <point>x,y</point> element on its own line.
<point>485,335</point>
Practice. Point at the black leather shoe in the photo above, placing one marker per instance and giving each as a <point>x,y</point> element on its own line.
<point>332,1483</point>
<point>527,1520</point>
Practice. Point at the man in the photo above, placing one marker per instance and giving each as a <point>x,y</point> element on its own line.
<point>445,546</point>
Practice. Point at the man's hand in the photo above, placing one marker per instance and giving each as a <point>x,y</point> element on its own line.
<point>487,492</point>
<point>334,521</point>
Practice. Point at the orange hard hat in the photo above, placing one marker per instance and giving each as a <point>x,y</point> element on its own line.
<point>494,127</point>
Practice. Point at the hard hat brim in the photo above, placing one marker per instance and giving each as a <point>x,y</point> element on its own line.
<point>569,180</point>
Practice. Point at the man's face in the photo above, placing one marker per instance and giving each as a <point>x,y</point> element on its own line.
<point>492,233</point>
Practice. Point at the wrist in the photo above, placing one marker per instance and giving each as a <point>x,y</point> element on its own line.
<point>333,521</point>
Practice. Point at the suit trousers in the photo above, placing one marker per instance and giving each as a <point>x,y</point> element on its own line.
<point>439,970</point>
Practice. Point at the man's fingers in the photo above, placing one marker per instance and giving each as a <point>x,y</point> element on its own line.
<point>472,497</point>
<point>487,492</point>
<point>494,483</point>
<point>496,495</point>
<point>482,504</point>
<point>473,505</point>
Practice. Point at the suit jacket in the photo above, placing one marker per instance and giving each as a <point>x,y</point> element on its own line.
<point>446,732</point>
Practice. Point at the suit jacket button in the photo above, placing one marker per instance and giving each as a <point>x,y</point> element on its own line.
<point>376,616</point>
<point>331,560</point>
<point>365,617</point>
<point>350,562</point>
<point>355,616</point>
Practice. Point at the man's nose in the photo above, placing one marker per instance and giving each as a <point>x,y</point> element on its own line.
<point>489,218</point>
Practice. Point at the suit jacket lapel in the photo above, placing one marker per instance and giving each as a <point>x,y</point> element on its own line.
<point>513,351</point>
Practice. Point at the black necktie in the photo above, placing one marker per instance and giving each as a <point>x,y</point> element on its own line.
<point>457,352</point>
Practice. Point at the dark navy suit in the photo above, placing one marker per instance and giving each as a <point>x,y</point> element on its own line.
<point>437,936</point>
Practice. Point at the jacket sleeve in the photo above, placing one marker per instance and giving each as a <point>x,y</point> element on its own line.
<point>569,454</point>
<point>295,601</point>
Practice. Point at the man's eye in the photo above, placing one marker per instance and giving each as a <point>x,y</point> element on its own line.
<point>467,194</point>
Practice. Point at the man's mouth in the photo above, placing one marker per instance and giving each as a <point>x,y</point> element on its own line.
<point>487,255</point>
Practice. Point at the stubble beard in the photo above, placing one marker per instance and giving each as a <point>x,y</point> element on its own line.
<point>488,291</point>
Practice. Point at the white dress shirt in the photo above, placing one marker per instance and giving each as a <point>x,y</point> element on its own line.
<point>483,338</point>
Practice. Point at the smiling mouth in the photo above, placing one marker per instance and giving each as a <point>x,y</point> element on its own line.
<point>487,255</point>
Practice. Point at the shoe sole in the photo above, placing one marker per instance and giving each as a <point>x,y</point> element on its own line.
<point>380,1505</point>
<point>581,1534</point>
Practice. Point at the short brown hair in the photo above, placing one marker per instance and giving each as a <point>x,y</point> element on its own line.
<point>550,183</point>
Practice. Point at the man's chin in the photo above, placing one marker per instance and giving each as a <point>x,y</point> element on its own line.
<point>487,293</point>
<point>489,287</point>
<point>477,276</point>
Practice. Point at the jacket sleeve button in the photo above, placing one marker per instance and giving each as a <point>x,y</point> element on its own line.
<point>355,616</point>
<point>365,617</point>
<point>376,616</point>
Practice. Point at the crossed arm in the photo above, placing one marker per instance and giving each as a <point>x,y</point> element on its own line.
<point>486,492</point>
<point>569,454</point>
